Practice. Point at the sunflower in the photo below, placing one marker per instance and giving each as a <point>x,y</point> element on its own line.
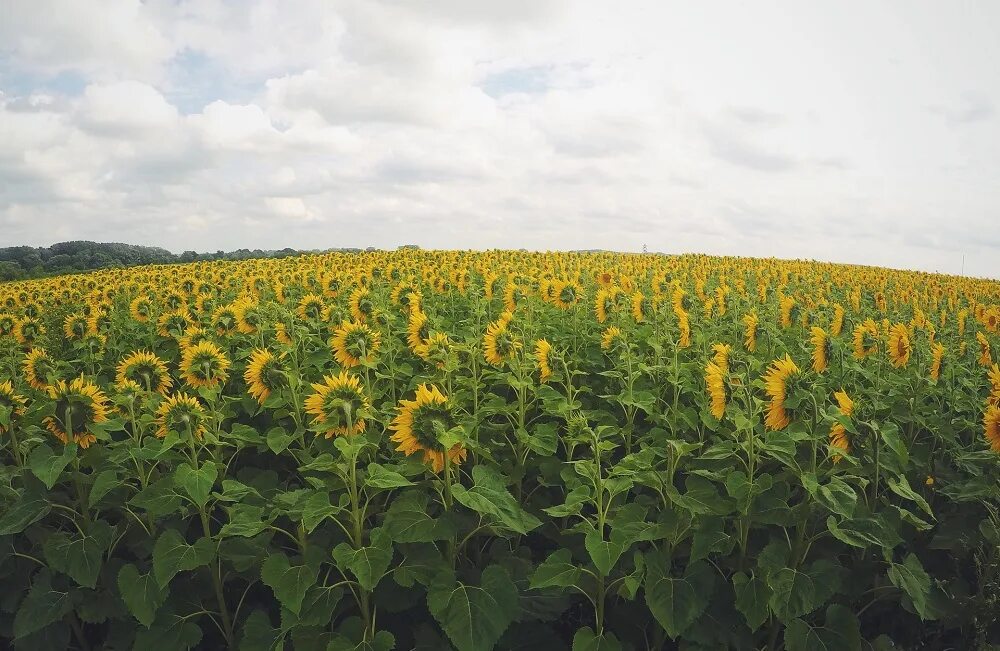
<point>79,405</point>
<point>865,339</point>
<point>612,338</point>
<point>38,367</point>
<point>75,326</point>
<point>684,326</point>
<point>362,308</point>
<point>263,374</point>
<point>566,294</point>
<point>838,433</point>
<point>513,294</point>
<point>776,383</point>
<point>28,330</point>
<point>417,423</point>
<point>721,357</point>
<point>192,337</point>
<point>7,324</point>
<point>99,321</point>
<point>837,325</point>
<point>937,361</point>
<point>310,308</point>
<point>417,330</point>
<point>339,405</point>
<point>204,365</point>
<point>639,307</point>
<point>680,300</point>
<point>991,426</point>
<point>499,343</point>
<point>821,349</point>
<point>788,311</point>
<point>354,343</point>
<point>899,345</point>
<point>174,324</point>
<point>994,377</point>
<point>436,349</point>
<point>543,352</point>
<point>147,370</point>
<point>180,413</point>
<point>604,303</point>
<point>141,309</point>
<point>750,331</point>
<point>715,382</point>
<point>224,320</point>
<point>247,316</point>
<point>13,402</point>
<point>985,357</point>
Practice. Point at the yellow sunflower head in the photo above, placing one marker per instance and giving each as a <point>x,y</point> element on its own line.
<point>263,375</point>
<point>38,367</point>
<point>640,307</point>
<point>78,405</point>
<point>715,384</point>
<point>751,329</point>
<point>204,365</point>
<point>721,356</point>
<point>224,320</point>
<point>339,405</point>
<point>181,413</point>
<point>174,324</point>
<point>248,319</point>
<point>192,337</point>
<point>11,404</point>
<point>419,423</point>
<point>612,339</point>
<point>145,369</point>
<point>417,330</point>
<point>75,326</point>
<point>310,308</point>
<point>821,349</point>
<point>362,307</point>
<point>543,353</point>
<point>865,339</point>
<point>985,356</point>
<point>28,330</point>
<point>838,433</point>
<point>436,350</point>
<point>991,426</point>
<point>937,361</point>
<point>7,324</point>
<point>499,343</point>
<point>778,384</point>
<point>354,343</point>
<point>141,309</point>
<point>899,345</point>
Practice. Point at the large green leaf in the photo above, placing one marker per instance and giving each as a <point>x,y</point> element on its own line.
<point>910,577</point>
<point>381,477</point>
<point>901,487</point>
<point>368,564</point>
<point>172,554</point>
<point>702,497</point>
<point>79,555</point>
<point>197,483</point>
<point>676,601</point>
<point>245,520</point>
<point>839,632</point>
<point>489,497</point>
<point>43,605</point>
<point>474,617</point>
<point>586,640</point>
<point>169,632</point>
<point>141,593</point>
<point>557,571</point>
<point>260,635</point>
<point>47,465</point>
<point>159,498</point>
<point>29,508</point>
<point>798,592</point>
<point>289,582</point>
<point>104,483</point>
<point>408,520</point>
<point>752,594</point>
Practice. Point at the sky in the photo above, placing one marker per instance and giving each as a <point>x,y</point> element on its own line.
<point>862,132</point>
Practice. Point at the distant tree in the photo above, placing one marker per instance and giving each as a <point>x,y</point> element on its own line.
<point>10,270</point>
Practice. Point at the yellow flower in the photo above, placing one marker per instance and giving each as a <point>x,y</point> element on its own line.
<point>417,423</point>
<point>750,325</point>
<point>776,384</point>
<point>310,308</point>
<point>145,369</point>
<point>787,311</point>
<point>180,413</point>
<point>612,338</point>
<point>263,374</point>
<point>499,343</point>
<point>865,339</point>
<point>204,365</point>
<point>638,307</point>
<point>821,349</point>
<point>141,309</point>
<point>339,405</point>
<point>899,345</point>
<point>79,405</point>
<point>837,325</point>
<point>985,357</point>
<point>28,330</point>
<point>38,366</point>
<point>838,433</point>
<point>991,426</point>
<point>542,351</point>
<point>435,350</point>
<point>12,401</point>
<point>75,326</point>
<point>715,381</point>
<point>174,324</point>
<point>354,343</point>
<point>417,330</point>
<point>362,308</point>
<point>937,361</point>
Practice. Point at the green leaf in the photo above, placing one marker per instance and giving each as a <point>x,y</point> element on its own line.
<point>676,602</point>
<point>489,496</point>
<point>557,571</point>
<point>586,640</point>
<point>795,593</point>
<point>43,606</point>
<point>368,564</point>
<point>197,483</point>
<point>259,634</point>
<point>104,483</point>
<point>47,465</point>
<point>29,508</point>
<point>289,582</point>
<point>381,477</point>
<point>172,554</point>
<point>159,498</point>
<point>474,617</point>
<point>141,593</point>
<point>839,632</point>
<point>278,440</point>
<point>604,553</point>
<point>901,487</point>
<point>79,555</point>
<point>408,521</point>
<point>316,509</point>
<point>169,632</point>
<point>245,520</point>
<point>709,538</point>
<point>702,498</point>
<point>889,433</point>
<point>752,594</point>
<point>910,577</point>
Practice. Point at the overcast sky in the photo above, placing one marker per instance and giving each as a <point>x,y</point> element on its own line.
<point>849,131</point>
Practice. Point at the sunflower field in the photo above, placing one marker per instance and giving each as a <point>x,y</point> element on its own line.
<point>500,450</point>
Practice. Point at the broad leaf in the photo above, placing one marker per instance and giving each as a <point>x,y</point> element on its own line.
<point>43,605</point>
<point>910,577</point>
<point>474,617</point>
<point>839,632</point>
<point>172,554</point>
<point>368,564</point>
<point>141,593</point>
<point>489,497</point>
<point>79,555</point>
<point>289,582</point>
<point>197,483</point>
<point>676,601</point>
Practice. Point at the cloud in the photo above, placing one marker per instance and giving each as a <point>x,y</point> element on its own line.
<point>970,108</point>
